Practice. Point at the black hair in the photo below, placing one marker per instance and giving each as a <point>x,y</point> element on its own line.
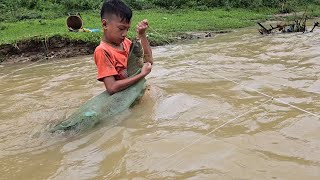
<point>118,8</point>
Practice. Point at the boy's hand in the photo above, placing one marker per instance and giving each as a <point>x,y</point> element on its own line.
<point>146,68</point>
<point>142,27</point>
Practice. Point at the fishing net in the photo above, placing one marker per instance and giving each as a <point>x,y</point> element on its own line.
<point>104,106</point>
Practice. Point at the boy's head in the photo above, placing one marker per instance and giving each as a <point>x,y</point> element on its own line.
<point>116,19</point>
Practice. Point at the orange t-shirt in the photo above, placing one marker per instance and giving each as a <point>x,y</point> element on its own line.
<point>111,61</point>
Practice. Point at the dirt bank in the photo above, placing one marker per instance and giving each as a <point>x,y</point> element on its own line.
<point>40,48</point>
<point>60,47</point>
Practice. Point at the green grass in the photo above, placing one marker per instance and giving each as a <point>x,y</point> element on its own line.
<point>163,24</point>
<point>28,29</point>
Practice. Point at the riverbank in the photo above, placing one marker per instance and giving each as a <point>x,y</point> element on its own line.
<point>32,40</point>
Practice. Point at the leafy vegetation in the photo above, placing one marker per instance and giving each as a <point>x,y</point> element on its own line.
<point>13,10</point>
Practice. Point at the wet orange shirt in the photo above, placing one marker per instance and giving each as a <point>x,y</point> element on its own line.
<point>111,61</point>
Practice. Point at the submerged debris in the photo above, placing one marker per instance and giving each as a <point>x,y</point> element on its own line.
<point>316,24</point>
<point>297,25</point>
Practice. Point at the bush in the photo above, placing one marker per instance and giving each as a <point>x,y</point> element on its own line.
<point>140,4</point>
<point>212,3</point>
<point>75,5</point>
<point>28,4</point>
<point>169,4</point>
<point>201,8</point>
<point>26,9</point>
<point>2,27</point>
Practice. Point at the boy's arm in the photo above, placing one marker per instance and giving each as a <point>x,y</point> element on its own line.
<point>141,30</point>
<point>114,86</point>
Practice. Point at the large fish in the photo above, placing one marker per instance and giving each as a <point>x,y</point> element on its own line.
<point>104,106</point>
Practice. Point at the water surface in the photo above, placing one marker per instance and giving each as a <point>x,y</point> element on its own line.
<point>203,117</point>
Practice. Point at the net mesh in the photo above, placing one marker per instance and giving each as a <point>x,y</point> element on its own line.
<point>103,105</point>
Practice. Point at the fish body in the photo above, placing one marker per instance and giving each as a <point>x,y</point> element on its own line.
<point>135,60</point>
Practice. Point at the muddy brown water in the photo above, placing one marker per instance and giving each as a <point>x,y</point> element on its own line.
<point>194,123</point>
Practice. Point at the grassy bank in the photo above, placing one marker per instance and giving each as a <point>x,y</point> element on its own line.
<point>163,24</point>
<point>34,39</point>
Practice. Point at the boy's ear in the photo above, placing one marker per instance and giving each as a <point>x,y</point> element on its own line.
<point>105,23</point>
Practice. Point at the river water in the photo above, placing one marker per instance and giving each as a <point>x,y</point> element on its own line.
<point>219,108</point>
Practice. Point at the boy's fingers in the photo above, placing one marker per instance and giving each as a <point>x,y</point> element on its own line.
<point>145,21</point>
<point>143,25</point>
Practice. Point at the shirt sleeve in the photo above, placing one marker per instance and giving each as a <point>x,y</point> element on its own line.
<point>104,64</point>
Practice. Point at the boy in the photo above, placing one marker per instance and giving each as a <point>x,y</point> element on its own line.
<point>111,55</point>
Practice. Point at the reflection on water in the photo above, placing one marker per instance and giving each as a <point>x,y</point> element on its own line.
<point>183,127</point>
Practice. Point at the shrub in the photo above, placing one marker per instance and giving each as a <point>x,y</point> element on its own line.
<point>169,4</point>
<point>73,5</point>
<point>201,8</point>
<point>2,27</point>
<point>26,9</point>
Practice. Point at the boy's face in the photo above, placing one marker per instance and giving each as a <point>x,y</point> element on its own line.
<point>115,30</point>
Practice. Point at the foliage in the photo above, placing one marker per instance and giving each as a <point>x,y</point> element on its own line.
<point>13,10</point>
<point>79,5</point>
<point>283,5</point>
<point>140,4</point>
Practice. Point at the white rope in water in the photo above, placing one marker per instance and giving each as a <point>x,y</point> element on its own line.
<point>224,124</point>
<point>214,130</point>
<point>32,65</point>
<point>266,95</point>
